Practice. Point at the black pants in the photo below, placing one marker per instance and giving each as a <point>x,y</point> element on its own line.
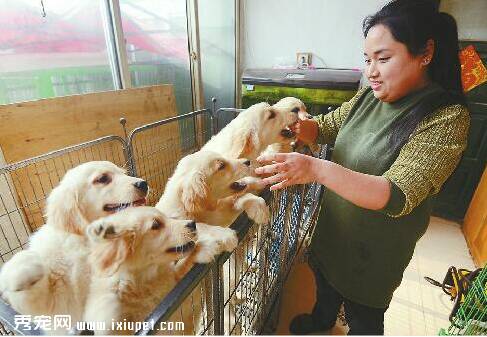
<point>361,319</point>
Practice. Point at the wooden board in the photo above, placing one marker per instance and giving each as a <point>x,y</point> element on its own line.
<point>299,297</point>
<point>32,128</point>
<point>475,224</point>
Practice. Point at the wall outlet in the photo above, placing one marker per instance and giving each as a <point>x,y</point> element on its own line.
<point>303,59</point>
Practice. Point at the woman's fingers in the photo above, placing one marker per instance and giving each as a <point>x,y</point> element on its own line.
<point>277,157</point>
<point>308,130</point>
<point>276,178</point>
<point>281,185</point>
<point>283,164</point>
<point>295,127</point>
<point>273,168</point>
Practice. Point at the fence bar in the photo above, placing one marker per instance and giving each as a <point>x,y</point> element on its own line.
<point>264,286</point>
<point>57,153</point>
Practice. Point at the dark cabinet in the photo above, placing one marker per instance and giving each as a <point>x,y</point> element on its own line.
<point>453,200</point>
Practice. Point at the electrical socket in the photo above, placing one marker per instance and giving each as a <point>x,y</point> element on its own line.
<point>303,58</point>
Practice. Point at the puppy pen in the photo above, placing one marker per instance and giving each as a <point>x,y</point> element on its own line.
<point>205,299</point>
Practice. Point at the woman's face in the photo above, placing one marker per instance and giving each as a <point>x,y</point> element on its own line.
<point>392,71</point>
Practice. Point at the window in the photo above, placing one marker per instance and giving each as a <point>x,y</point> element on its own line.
<point>217,43</point>
<point>156,39</point>
<point>63,53</point>
<point>58,47</point>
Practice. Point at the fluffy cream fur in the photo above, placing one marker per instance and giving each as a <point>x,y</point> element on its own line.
<point>133,254</point>
<point>259,129</point>
<point>254,129</point>
<point>50,277</point>
<point>286,105</point>
<point>209,188</point>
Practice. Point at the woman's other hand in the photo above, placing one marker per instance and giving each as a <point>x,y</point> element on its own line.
<point>306,130</point>
<point>288,169</point>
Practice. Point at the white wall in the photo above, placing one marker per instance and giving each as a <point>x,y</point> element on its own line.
<point>217,50</point>
<point>471,16</point>
<point>274,30</point>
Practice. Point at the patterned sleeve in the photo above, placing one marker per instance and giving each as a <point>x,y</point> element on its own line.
<point>428,158</point>
<point>329,124</point>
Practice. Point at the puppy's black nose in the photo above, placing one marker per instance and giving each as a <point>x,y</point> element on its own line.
<point>191,225</point>
<point>247,162</point>
<point>142,185</point>
<point>238,186</point>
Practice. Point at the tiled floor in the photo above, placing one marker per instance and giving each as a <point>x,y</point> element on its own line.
<point>418,308</point>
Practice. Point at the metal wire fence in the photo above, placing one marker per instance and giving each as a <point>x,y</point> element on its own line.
<point>233,295</point>
<point>155,149</point>
<point>471,317</point>
<point>24,187</point>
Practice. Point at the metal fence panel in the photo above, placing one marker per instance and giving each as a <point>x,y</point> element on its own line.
<point>242,286</point>
<point>235,294</point>
<point>156,148</point>
<point>25,185</point>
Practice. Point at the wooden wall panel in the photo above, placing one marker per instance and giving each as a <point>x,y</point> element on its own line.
<point>31,128</point>
<point>475,224</point>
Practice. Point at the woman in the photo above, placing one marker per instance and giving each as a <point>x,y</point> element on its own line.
<point>395,144</point>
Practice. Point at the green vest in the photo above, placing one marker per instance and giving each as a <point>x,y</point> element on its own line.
<point>363,253</point>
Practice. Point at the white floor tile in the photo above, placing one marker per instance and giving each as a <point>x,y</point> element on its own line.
<point>419,308</point>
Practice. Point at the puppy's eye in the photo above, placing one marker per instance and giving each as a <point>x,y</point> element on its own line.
<point>157,225</point>
<point>103,179</point>
<point>221,165</point>
<point>296,110</point>
<point>272,115</point>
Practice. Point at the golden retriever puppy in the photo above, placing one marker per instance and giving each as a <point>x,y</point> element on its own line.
<point>254,129</point>
<point>51,277</point>
<point>133,254</point>
<point>292,104</point>
<point>212,189</point>
<point>259,128</point>
<point>287,104</point>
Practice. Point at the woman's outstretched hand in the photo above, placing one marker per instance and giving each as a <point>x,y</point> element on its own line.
<point>306,130</point>
<point>288,169</point>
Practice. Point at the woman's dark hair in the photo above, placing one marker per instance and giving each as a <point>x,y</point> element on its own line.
<point>413,23</point>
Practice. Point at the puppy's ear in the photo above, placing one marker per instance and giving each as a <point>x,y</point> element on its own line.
<point>109,255</point>
<point>63,211</point>
<point>244,145</point>
<point>194,192</point>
